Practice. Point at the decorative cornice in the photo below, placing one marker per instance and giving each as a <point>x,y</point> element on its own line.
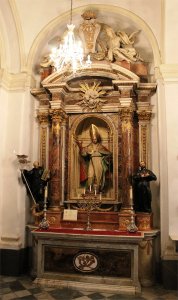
<point>101,69</point>
<point>15,82</point>
<point>146,89</point>
<point>169,72</point>
<point>40,94</point>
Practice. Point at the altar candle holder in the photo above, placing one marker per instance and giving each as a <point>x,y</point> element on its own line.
<point>132,226</point>
<point>44,224</point>
<point>90,201</point>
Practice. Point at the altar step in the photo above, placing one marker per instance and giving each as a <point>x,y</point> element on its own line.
<point>106,285</point>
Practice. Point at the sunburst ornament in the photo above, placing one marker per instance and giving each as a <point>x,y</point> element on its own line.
<point>91,96</point>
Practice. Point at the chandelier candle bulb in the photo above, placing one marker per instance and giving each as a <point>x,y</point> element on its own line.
<point>100,196</point>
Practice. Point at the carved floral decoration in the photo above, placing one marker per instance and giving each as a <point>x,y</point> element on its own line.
<point>91,97</point>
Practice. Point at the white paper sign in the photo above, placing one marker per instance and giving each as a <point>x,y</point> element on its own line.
<point>70,214</point>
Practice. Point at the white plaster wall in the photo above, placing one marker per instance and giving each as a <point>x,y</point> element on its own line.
<point>10,41</point>
<point>171,32</point>
<point>3,123</point>
<point>17,118</point>
<point>171,92</point>
<point>154,161</point>
<point>168,128</point>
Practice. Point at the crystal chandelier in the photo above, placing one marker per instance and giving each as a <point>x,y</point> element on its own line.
<point>70,54</point>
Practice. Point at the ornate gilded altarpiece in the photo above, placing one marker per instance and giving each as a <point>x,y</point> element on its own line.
<point>109,101</point>
<point>112,96</point>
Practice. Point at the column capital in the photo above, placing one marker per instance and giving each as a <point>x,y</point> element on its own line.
<point>42,117</point>
<point>144,115</point>
<point>57,115</point>
<point>126,114</point>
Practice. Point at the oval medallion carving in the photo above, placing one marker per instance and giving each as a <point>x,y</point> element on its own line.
<point>85,262</point>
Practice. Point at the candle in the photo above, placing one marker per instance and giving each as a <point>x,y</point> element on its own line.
<point>90,188</point>
<point>95,192</point>
<point>46,193</point>
<point>131,194</point>
<point>84,191</point>
<point>100,196</point>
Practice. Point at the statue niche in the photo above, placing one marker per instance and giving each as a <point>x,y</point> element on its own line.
<point>91,159</point>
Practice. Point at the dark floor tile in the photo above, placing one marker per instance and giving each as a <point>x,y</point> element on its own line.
<point>16,286</point>
<point>4,285</point>
<point>35,290</point>
<point>96,296</point>
<point>65,294</point>
<point>126,297</point>
<point>30,297</point>
<point>5,290</point>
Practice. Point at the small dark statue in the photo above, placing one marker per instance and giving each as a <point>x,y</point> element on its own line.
<point>35,181</point>
<point>142,191</point>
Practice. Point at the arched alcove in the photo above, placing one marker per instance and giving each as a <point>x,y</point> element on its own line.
<point>119,18</point>
<point>80,136</point>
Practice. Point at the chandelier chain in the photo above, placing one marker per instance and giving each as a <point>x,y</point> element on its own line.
<point>71,12</point>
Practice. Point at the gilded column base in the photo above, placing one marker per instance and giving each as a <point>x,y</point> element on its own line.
<point>144,221</point>
<point>54,217</point>
<point>125,220</point>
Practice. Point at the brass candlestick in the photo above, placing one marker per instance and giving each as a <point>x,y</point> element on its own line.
<point>90,201</point>
<point>44,224</point>
<point>132,226</point>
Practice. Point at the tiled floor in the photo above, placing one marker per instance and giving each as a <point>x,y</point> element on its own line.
<point>24,288</point>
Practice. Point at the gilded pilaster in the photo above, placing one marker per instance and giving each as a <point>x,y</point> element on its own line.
<point>144,92</point>
<point>126,115</point>
<point>144,117</point>
<point>44,132</point>
<point>64,160</point>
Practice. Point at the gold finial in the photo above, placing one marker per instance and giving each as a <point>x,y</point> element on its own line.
<point>89,14</point>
